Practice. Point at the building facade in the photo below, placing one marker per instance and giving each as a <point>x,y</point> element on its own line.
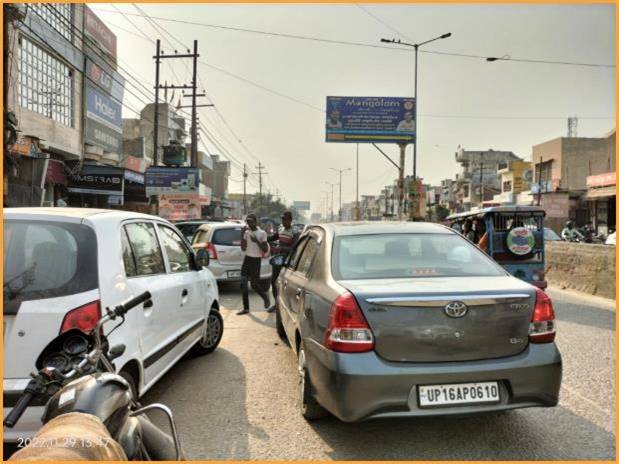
<point>573,180</point>
<point>478,180</point>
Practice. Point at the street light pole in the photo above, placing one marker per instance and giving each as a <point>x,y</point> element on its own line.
<point>416,47</point>
<point>340,171</point>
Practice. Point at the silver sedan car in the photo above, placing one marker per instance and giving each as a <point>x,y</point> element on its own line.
<point>411,319</point>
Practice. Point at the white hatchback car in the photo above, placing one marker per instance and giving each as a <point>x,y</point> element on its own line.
<point>63,266</point>
<point>222,240</point>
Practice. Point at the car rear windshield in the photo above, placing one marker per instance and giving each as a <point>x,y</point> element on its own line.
<point>408,255</point>
<point>227,237</point>
<point>188,230</point>
<point>47,260</point>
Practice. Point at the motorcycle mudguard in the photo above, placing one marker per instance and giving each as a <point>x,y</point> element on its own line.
<point>105,395</point>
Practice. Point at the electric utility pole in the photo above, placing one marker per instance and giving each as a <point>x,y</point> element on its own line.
<point>245,176</point>
<point>260,173</point>
<point>193,95</point>
<point>340,171</point>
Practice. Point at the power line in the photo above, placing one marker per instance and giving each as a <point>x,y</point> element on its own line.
<point>367,45</point>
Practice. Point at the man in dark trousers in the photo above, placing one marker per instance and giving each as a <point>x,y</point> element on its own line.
<point>254,244</point>
<point>284,239</point>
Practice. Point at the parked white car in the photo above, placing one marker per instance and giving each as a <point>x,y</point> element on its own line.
<point>64,266</point>
<point>222,240</point>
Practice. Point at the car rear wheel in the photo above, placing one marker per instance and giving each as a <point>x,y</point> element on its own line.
<point>212,333</point>
<point>309,407</point>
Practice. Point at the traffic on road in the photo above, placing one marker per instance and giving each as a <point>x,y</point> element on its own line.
<point>387,330</point>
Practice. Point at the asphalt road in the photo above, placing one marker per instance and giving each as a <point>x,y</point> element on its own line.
<point>239,402</point>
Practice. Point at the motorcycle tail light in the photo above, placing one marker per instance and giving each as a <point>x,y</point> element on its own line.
<point>83,318</point>
<point>542,326</point>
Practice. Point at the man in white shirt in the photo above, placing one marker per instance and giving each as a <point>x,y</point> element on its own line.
<point>254,244</point>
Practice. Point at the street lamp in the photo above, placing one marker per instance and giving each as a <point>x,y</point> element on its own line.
<point>332,185</point>
<point>416,47</point>
<point>340,171</point>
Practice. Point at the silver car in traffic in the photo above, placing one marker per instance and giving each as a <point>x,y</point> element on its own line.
<point>222,240</point>
<point>411,319</point>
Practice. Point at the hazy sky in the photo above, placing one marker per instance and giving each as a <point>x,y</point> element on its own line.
<point>462,101</point>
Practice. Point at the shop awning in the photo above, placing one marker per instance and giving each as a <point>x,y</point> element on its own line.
<point>601,192</point>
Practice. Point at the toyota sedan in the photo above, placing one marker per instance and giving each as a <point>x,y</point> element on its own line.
<point>411,319</point>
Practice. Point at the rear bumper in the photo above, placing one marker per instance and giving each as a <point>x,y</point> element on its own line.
<point>220,272</point>
<point>362,386</point>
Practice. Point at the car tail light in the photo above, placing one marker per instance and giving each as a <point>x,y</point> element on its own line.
<point>542,326</point>
<point>84,318</point>
<point>212,251</point>
<point>348,331</point>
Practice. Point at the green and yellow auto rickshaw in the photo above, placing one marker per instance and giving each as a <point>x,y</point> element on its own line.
<point>514,238</point>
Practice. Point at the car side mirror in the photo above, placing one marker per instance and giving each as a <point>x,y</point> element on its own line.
<point>202,258</point>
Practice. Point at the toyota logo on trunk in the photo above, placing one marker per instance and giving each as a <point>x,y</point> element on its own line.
<point>456,309</point>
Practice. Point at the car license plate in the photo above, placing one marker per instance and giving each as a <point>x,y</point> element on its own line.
<point>234,274</point>
<point>458,394</point>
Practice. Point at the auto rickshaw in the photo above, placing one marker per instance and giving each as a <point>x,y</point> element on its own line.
<point>515,238</point>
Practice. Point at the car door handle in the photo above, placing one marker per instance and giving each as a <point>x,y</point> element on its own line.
<point>148,303</point>
<point>185,292</point>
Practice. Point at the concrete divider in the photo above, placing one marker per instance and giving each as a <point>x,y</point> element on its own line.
<point>581,266</point>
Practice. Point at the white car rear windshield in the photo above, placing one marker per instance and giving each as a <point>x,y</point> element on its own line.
<point>47,260</point>
<point>227,237</point>
<point>409,255</point>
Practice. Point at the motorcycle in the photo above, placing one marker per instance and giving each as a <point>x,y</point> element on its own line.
<point>76,374</point>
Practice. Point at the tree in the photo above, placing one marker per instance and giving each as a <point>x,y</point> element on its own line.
<point>265,206</point>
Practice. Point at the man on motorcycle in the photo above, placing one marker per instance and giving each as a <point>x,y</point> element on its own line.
<point>570,233</point>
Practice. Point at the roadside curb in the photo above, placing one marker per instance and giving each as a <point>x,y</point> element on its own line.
<point>568,293</point>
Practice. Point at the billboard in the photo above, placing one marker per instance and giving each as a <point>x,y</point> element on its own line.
<point>178,207</point>
<point>165,180</point>
<point>301,205</point>
<point>370,120</point>
<point>98,32</point>
<point>102,119</point>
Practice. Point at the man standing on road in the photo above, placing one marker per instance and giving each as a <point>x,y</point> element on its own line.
<point>254,244</point>
<point>284,240</point>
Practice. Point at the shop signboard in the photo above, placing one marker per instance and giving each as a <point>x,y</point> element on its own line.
<point>102,136</point>
<point>370,120</point>
<point>109,80</point>
<point>170,180</point>
<point>134,163</point>
<point>97,180</point>
<point>98,32</point>
<point>602,180</point>
<point>103,119</point>
<point>179,206</point>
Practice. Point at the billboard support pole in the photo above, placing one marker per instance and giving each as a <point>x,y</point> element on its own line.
<point>401,182</point>
<point>357,212</point>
